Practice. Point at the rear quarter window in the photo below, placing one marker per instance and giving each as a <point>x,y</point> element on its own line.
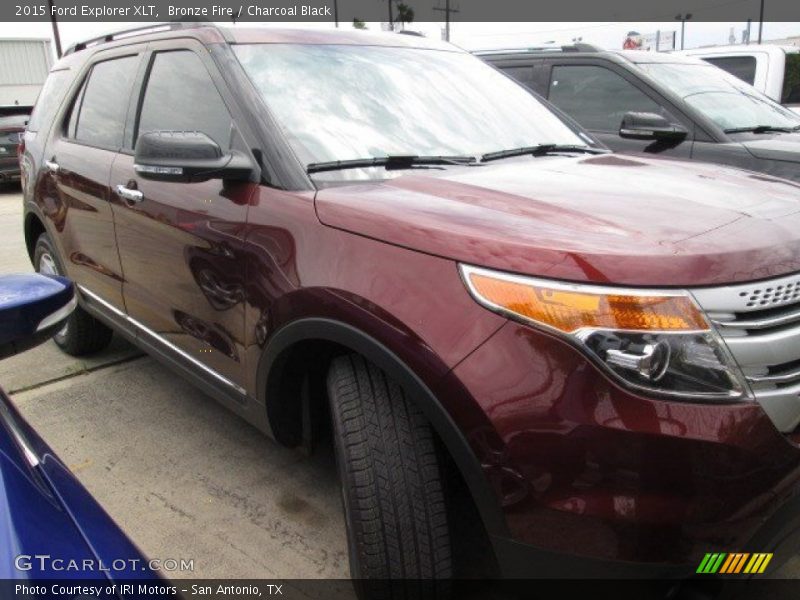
<point>791,80</point>
<point>743,67</point>
<point>50,98</point>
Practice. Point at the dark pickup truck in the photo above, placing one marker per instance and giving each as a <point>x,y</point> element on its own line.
<point>662,104</point>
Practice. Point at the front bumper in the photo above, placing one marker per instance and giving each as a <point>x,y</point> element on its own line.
<point>587,470</point>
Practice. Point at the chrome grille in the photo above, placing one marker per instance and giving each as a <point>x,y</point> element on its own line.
<point>772,296</point>
<point>760,323</point>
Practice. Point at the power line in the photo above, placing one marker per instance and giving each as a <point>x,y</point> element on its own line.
<point>446,10</point>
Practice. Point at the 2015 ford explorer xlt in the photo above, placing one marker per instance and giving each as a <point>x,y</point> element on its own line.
<point>603,349</point>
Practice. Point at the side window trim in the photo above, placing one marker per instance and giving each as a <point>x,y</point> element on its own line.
<point>135,104</point>
<point>71,127</point>
<point>147,69</point>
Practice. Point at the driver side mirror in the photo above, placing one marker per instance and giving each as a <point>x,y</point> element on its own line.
<point>650,126</point>
<point>187,157</point>
<point>33,308</point>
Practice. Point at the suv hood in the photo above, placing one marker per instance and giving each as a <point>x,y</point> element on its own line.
<point>606,219</point>
<point>783,146</point>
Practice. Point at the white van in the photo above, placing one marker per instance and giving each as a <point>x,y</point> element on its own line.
<point>773,70</point>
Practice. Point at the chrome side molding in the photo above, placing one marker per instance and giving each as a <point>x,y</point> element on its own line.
<point>163,341</point>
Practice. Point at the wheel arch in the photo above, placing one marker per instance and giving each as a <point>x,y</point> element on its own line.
<point>33,228</point>
<point>281,376</point>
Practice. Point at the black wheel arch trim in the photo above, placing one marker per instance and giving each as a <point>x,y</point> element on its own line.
<point>32,211</point>
<point>343,334</point>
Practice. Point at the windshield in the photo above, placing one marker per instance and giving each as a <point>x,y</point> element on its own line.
<point>729,102</point>
<point>340,102</point>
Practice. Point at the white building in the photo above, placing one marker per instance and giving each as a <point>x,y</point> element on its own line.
<point>24,64</point>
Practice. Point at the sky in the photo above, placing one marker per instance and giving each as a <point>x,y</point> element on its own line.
<point>472,36</point>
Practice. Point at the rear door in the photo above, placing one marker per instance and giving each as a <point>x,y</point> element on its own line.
<point>598,93</point>
<point>181,244</point>
<point>84,142</point>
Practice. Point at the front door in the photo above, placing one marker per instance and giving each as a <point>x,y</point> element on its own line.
<point>181,243</point>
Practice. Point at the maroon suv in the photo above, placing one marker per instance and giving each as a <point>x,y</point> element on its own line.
<point>603,349</point>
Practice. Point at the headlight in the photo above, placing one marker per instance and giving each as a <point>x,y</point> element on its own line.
<point>657,341</point>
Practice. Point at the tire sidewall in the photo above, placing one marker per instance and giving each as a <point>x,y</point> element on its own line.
<point>351,522</point>
<point>45,245</point>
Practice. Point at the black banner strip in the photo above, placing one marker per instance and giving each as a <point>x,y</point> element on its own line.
<point>344,11</point>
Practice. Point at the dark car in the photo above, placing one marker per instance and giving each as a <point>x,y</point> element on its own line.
<point>12,126</point>
<point>600,349</point>
<point>663,104</point>
<point>51,528</point>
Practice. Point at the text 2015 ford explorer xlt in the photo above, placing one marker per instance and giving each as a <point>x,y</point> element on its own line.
<point>603,348</point>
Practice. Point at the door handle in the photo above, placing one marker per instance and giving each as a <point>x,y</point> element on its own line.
<point>129,194</point>
<point>52,166</point>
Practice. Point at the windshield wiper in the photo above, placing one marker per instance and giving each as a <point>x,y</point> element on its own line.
<point>761,129</point>
<point>541,150</point>
<point>390,162</point>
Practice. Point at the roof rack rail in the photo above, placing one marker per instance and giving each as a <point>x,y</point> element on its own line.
<point>578,47</point>
<point>126,33</point>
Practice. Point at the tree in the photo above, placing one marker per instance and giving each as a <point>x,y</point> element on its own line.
<point>359,24</point>
<point>405,14</point>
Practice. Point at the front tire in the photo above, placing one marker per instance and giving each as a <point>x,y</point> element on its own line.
<point>82,334</point>
<point>392,485</point>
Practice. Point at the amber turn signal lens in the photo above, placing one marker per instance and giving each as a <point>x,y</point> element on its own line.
<point>570,310</point>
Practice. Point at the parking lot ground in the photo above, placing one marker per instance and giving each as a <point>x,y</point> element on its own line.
<point>184,477</point>
<point>188,479</point>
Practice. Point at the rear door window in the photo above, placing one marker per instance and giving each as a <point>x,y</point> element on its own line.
<point>743,67</point>
<point>597,97</point>
<point>181,96</point>
<point>791,80</point>
<point>98,114</point>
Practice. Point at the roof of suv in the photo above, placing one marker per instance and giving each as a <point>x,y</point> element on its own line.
<point>209,33</point>
<point>263,35</point>
<point>741,49</point>
<point>586,50</point>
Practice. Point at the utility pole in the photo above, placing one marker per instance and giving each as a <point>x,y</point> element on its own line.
<point>391,16</point>
<point>761,21</point>
<point>336,13</point>
<point>446,10</point>
<point>683,17</point>
<point>54,23</point>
